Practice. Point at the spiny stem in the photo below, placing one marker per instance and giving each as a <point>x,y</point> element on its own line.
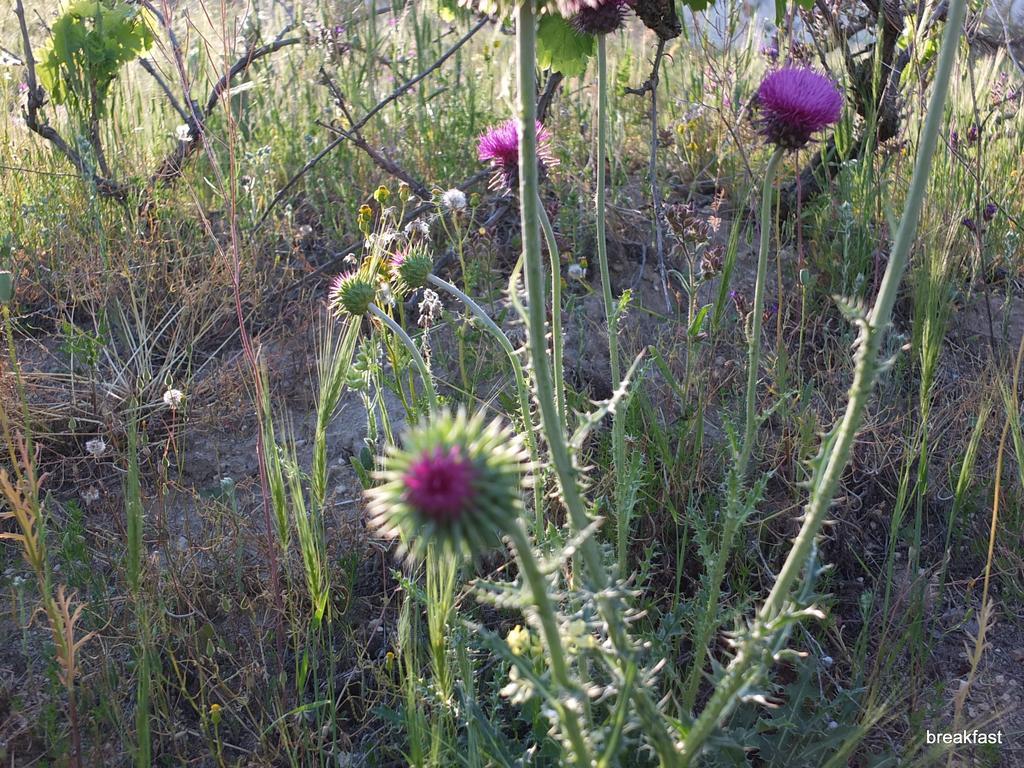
<point>522,388</point>
<point>545,612</point>
<point>610,311</point>
<point>556,312</point>
<point>414,352</point>
<point>754,348</point>
<point>737,477</point>
<point>745,665</point>
<point>596,575</point>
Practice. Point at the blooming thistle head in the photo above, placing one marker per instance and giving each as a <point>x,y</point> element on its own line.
<point>499,146</point>
<point>412,268</point>
<point>795,103</point>
<point>599,17</point>
<point>455,482</point>
<point>351,294</point>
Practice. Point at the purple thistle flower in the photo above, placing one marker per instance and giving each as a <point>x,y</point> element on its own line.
<point>990,212</point>
<point>439,484</point>
<point>499,146</point>
<point>973,133</point>
<point>455,482</point>
<point>968,223</point>
<point>600,17</point>
<point>796,103</point>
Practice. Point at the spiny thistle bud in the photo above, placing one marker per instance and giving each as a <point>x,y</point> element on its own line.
<point>795,103</point>
<point>351,294</point>
<point>412,268</point>
<point>454,482</point>
<point>600,18</point>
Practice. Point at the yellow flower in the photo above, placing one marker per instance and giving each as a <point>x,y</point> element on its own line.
<point>215,713</point>
<point>518,640</point>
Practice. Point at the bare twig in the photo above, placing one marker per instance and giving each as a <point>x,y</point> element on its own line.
<point>175,104</point>
<point>193,115</point>
<point>35,99</point>
<point>395,94</point>
<point>173,165</point>
<point>651,86</point>
<point>547,98</point>
<point>353,135</point>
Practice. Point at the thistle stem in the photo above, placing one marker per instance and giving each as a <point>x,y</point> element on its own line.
<point>757,313</point>
<point>521,386</point>
<point>556,312</point>
<point>545,612</point>
<point>737,476</point>
<point>533,266</point>
<point>610,310</point>
<point>745,665</point>
<point>414,352</point>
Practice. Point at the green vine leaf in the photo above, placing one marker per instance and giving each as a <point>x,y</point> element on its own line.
<point>561,48</point>
<point>88,45</point>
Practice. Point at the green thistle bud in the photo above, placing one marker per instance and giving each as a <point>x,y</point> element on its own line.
<point>351,294</point>
<point>455,482</point>
<point>413,269</point>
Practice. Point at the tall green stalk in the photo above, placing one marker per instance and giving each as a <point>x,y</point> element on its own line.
<point>414,352</point>
<point>757,313</point>
<point>751,658</point>
<point>548,619</point>
<point>595,574</point>
<point>522,389</point>
<point>556,313</point>
<point>610,310</point>
<point>735,506</point>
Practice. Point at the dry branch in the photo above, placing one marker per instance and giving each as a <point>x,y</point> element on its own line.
<point>195,117</point>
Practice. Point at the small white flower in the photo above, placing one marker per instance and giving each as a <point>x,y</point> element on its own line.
<point>91,495</point>
<point>96,447</point>
<point>577,272</point>
<point>183,133</point>
<point>454,200</point>
<point>173,398</point>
